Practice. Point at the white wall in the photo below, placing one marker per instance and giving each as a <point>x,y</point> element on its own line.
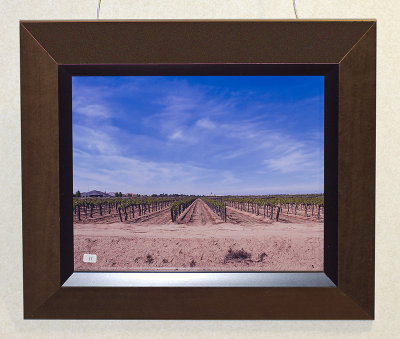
<point>388,163</point>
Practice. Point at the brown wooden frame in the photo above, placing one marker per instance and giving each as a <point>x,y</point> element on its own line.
<point>344,51</point>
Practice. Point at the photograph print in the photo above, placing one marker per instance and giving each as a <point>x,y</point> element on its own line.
<point>198,173</point>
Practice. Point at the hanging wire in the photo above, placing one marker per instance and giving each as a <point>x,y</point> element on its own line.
<point>294,8</point>
<point>98,10</point>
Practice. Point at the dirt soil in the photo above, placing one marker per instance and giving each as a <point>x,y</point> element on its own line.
<point>200,241</point>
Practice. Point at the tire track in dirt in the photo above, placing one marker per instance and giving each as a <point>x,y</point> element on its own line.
<point>235,217</point>
<point>160,218</point>
<point>293,218</point>
<point>199,213</point>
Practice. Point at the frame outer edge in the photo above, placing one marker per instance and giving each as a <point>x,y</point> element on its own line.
<point>39,143</point>
<point>357,134</point>
<point>43,296</point>
<point>191,41</point>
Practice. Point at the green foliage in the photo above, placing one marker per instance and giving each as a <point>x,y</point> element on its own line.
<point>278,200</point>
<point>118,201</point>
<point>217,205</point>
<point>214,202</point>
<point>178,206</point>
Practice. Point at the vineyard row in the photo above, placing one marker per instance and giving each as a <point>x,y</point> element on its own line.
<point>269,207</point>
<point>274,210</point>
<point>125,208</point>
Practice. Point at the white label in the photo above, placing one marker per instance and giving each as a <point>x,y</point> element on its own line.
<point>89,258</point>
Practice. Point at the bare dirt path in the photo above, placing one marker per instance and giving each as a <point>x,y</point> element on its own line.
<point>198,213</point>
<point>159,217</point>
<point>235,216</point>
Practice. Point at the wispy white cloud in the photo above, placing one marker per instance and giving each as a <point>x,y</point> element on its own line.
<point>94,140</point>
<point>296,162</point>
<point>93,111</point>
<point>308,187</point>
<point>117,172</point>
<point>200,141</point>
<point>228,178</point>
<point>205,123</point>
<point>178,103</point>
<point>176,135</point>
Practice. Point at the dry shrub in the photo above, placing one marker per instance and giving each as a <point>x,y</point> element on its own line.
<point>149,259</point>
<point>262,256</point>
<point>237,255</point>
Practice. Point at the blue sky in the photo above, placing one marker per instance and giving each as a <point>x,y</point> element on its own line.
<point>199,134</point>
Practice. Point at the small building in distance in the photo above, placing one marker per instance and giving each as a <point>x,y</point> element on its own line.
<point>95,194</point>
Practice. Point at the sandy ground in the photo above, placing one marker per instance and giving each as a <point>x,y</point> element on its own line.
<point>200,241</point>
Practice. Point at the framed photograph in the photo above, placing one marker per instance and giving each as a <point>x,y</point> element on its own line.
<point>198,169</point>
